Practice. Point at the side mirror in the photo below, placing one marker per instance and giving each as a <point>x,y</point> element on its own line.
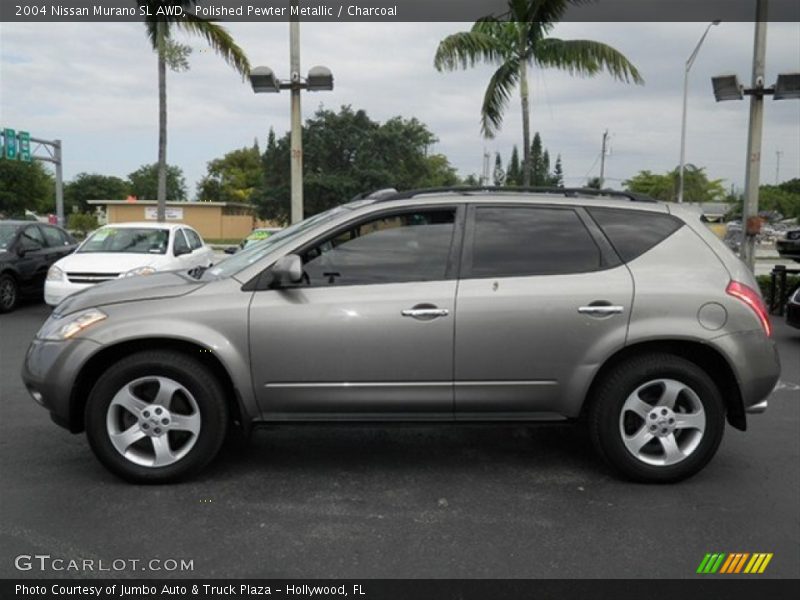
<point>287,269</point>
<point>231,249</point>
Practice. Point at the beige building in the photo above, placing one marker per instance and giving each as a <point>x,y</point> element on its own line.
<point>213,220</point>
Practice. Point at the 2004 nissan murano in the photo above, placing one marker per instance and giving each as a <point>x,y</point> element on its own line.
<point>459,305</point>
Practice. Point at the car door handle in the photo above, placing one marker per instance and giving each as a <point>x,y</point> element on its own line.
<point>600,310</point>
<point>427,312</point>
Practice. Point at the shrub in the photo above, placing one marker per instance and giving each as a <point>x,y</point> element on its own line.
<point>82,223</point>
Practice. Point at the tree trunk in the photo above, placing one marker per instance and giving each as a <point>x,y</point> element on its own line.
<point>526,124</point>
<point>162,123</point>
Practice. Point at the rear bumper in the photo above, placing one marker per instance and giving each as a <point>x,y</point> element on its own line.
<point>756,364</point>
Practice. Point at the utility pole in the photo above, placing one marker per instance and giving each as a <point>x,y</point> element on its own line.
<point>751,226</point>
<point>778,154</point>
<point>297,125</point>
<point>603,160</point>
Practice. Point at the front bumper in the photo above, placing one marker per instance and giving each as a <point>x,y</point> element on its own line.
<point>49,373</point>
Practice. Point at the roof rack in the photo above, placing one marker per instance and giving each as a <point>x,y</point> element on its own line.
<point>386,195</point>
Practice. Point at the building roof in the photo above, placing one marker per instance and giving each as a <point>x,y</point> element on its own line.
<point>168,203</point>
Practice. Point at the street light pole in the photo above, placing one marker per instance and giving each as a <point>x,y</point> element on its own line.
<point>686,70</point>
<point>752,175</point>
<point>297,126</point>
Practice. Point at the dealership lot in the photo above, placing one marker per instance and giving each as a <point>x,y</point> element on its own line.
<point>317,501</point>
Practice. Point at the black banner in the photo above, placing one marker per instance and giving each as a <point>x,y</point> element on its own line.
<point>383,10</point>
<point>731,588</point>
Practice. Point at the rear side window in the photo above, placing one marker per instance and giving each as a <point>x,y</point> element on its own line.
<point>632,232</point>
<point>523,241</point>
<point>54,237</point>
<point>194,239</point>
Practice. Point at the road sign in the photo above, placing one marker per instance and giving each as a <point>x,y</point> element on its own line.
<point>24,146</point>
<point>10,143</point>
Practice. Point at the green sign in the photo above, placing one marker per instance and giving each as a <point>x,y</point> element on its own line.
<point>10,143</point>
<point>24,146</point>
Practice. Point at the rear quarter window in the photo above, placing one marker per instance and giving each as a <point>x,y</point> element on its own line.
<point>632,232</point>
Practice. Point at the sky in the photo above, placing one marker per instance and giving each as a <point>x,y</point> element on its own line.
<point>94,86</point>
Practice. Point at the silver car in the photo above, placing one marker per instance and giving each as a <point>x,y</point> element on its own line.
<point>460,305</point>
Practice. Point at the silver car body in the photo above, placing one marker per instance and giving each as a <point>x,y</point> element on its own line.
<point>508,348</point>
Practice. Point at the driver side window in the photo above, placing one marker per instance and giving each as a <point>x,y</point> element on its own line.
<point>403,247</point>
<point>31,238</point>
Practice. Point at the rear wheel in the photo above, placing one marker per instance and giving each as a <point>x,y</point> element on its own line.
<point>156,417</point>
<point>657,418</point>
<point>9,293</point>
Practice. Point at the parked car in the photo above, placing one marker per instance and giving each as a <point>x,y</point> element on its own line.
<point>257,235</point>
<point>27,249</point>
<point>125,249</point>
<point>462,305</point>
<point>793,309</point>
<point>789,245</point>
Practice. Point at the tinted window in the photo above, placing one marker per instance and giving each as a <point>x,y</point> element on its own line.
<point>181,245</point>
<point>412,246</point>
<point>519,241</point>
<point>31,238</point>
<point>194,239</point>
<point>631,232</point>
<point>54,237</point>
<point>7,233</point>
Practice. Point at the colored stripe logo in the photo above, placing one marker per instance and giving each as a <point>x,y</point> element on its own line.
<point>734,563</point>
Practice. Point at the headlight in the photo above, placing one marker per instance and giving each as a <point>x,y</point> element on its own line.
<point>54,273</point>
<point>140,271</point>
<point>67,327</point>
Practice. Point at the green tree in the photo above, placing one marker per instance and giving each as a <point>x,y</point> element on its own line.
<point>498,173</point>
<point>346,153</point>
<point>697,186</point>
<point>25,186</point>
<point>594,183</point>
<point>557,178</point>
<point>144,183</point>
<point>93,186</point>
<point>83,223</point>
<point>175,56</point>
<point>515,44</point>
<point>235,177</point>
<point>779,198</point>
<point>514,171</point>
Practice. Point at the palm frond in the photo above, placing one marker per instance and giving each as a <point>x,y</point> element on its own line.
<point>219,39</point>
<point>585,58</point>
<point>466,49</point>
<point>497,95</point>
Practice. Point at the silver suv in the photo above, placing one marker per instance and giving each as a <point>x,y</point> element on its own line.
<point>459,305</point>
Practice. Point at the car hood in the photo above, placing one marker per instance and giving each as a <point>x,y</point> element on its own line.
<point>109,262</point>
<point>169,284</point>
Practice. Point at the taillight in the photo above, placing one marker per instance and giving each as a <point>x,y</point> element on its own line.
<point>753,299</point>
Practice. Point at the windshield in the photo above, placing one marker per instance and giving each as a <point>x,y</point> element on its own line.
<point>127,239</point>
<point>255,252</point>
<point>259,235</point>
<point>7,233</point>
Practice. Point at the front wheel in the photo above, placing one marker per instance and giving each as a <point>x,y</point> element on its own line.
<point>9,293</point>
<point>657,418</point>
<point>156,417</point>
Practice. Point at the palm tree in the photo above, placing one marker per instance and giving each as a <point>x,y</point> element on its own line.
<point>159,31</point>
<point>519,41</point>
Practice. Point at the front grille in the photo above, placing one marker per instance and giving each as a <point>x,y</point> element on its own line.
<point>91,277</point>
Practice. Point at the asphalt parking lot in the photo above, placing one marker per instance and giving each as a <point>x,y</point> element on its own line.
<point>355,502</point>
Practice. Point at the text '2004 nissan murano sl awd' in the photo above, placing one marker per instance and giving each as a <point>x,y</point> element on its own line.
<point>465,305</point>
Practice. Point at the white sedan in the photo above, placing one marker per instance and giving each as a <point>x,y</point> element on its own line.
<point>124,250</point>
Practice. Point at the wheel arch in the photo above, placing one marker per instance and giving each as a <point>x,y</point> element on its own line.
<point>108,355</point>
<point>711,360</point>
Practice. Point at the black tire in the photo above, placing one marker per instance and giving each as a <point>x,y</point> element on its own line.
<point>205,390</point>
<point>9,293</point>
<point>605,414</point>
